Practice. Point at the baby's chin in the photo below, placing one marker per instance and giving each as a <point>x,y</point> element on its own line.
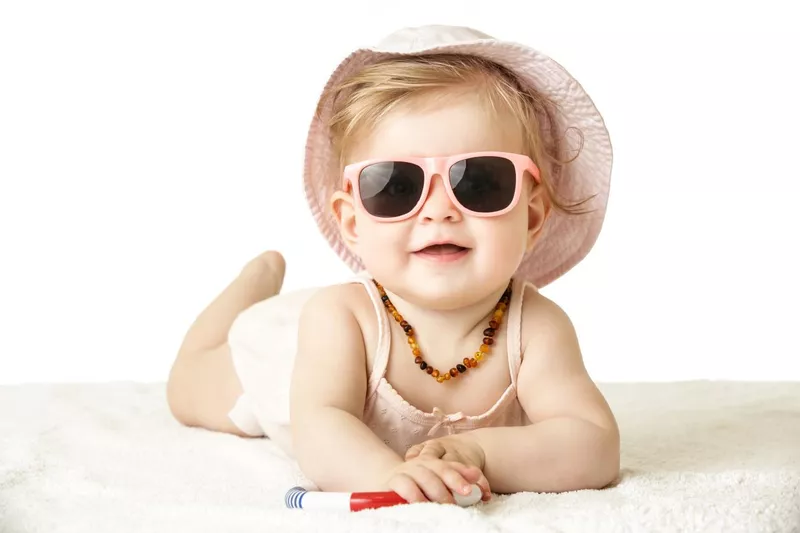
<point>442,293</point>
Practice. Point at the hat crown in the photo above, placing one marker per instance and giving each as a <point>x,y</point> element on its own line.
<point>412,39</point>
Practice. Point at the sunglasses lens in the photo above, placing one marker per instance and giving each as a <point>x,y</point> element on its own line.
<point>484,184</point>
<point>390,189</point>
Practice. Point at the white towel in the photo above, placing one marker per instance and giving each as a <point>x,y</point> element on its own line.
<point>697,456</point>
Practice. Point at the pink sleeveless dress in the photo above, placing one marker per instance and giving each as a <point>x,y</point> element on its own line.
<point>263,344</point>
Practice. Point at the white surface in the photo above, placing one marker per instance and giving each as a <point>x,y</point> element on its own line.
<point>697,457</point>
<point>149,149</point>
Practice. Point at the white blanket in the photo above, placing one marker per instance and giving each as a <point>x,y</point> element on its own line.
<point>697,456</point>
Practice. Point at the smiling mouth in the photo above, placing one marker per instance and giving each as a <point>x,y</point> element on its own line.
<point>442,249</point>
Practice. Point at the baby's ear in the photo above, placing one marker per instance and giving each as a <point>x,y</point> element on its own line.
<point>344,211</point>
<point>538,210</point>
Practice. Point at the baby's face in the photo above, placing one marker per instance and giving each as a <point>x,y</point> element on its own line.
<point>397,253</point>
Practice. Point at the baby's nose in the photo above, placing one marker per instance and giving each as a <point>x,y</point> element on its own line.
<point>439,206</point>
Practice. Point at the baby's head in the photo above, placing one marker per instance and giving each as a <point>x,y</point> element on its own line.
<point>489,208</point>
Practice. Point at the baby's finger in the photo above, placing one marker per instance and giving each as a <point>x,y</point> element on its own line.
<point>452,455</point>
<point>452,477</point>
<point>414,451</point>
<point>407,488</point>
<point>473,474</point>
<point>431,484</point>
<point>429,449</point>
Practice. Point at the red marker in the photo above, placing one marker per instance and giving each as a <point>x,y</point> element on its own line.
<point>300,498</point>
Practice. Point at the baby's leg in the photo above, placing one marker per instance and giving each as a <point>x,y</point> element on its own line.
<point>203,386</point>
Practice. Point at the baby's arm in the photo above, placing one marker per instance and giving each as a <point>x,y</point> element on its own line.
<point>329,383</point>
<point>573,441</point>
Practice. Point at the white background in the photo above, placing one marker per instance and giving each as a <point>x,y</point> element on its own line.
<point>149,149</point>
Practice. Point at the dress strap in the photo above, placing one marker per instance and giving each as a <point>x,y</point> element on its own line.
<point>514,328</point>
<point>381,359</point>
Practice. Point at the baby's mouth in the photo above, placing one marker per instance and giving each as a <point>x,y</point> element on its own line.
<point>443,253</point>
<point>442,249</point>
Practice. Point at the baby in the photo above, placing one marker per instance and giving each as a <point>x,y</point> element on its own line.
<point>442,168</point>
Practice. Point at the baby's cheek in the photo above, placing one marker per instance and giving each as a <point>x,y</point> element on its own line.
<point>381,248</point>
<point>506,252</point>
<point>504,240</point>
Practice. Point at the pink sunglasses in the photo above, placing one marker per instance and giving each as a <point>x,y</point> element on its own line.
<point>481,184</point>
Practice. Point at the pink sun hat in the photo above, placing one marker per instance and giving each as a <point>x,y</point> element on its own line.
<point>566,239</point>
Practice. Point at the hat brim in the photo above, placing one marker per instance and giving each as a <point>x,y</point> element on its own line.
<point>565,239</point>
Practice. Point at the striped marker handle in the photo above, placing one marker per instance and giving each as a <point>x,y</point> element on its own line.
<point>294,498</point>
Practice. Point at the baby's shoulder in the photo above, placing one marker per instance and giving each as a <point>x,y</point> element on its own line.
<point>348,300</point>
<point>348,309</point>
<point>346,295</point>
<point>543,321</point>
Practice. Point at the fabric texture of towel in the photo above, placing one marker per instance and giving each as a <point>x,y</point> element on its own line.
<point>696,456</point>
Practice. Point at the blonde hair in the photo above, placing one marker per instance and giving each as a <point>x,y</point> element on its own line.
<point>362,100</point>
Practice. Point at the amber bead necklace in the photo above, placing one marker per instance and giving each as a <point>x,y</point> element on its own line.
<point>468,362</point>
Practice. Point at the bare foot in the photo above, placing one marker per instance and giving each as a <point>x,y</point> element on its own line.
<point>261,278</point>
<point>266,272</point>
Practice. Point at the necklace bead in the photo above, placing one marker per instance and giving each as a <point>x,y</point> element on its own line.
<point>467,362</point>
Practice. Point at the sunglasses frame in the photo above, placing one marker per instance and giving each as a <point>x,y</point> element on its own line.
<point>440,166</point>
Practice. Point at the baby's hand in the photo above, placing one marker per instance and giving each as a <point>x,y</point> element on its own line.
<point>460,448</point>
<point>431,479</point>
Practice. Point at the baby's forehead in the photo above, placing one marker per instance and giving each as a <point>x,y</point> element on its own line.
<point>460,125</point>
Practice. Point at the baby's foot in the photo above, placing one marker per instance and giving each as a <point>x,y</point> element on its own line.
<point>267,271</point>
